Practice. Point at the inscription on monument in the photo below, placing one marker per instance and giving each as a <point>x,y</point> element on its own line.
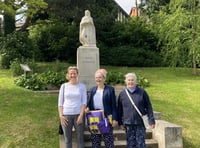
<point>88,60</point>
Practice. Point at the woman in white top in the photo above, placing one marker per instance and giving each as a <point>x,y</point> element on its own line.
<point>71,106</point>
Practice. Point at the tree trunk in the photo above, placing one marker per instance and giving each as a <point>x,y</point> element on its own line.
<point>194,65</point>
<point>194,35</point>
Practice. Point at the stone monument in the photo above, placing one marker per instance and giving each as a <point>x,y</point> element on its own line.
<point>88,53</point>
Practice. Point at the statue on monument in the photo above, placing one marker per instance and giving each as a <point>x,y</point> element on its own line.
<point>87,53</point>
<point>87,34</point>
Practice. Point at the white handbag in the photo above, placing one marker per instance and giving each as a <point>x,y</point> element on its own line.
<point>144,117</point>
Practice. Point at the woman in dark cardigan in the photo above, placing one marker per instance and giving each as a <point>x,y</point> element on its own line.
<point>102,97</point>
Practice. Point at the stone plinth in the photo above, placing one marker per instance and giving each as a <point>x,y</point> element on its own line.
<point>87,63</point>
<point>168,135</point>
<point>157,115</point>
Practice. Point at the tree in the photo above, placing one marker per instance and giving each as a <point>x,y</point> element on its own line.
<point>9,16</point>
<point>152,6</point>
<point>69,14</point>
<point>59,40</point>
<point>29,8</point>
<point>104,13</point>
<point>178,30</point>
<point>194,9</point>
<point>134,42</point>
<point>14,46</point>
<point>71,11</point>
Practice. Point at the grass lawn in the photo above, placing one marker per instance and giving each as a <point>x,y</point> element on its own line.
<point>27,119</point>
<point>30,119</point>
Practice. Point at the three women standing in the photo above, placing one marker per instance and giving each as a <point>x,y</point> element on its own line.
<point>72,106</point>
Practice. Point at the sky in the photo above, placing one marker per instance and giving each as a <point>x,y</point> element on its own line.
<point>126,4</point>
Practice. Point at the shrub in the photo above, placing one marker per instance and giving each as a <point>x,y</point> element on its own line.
<point>129,56</point>
<point>16,68</point>
<point>53,78</point>
<point>118,78</point>
<point>41,81</point>
<point>4,61</point>
<point>55,41</point>
<point>33,82</point>
<point>142,81</point>
<point>114,78</point>
<point>15,45</point>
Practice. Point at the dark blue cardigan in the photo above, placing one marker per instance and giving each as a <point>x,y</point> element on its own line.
<point>127,114</point>
<point>109,101</point>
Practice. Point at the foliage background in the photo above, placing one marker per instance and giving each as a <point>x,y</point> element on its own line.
<point>56,31</point>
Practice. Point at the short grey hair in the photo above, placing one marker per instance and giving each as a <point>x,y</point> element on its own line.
<point>131,74</point>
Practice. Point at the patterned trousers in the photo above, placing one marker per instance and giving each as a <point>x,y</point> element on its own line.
<point>107,138</point>
<point>135,136</point>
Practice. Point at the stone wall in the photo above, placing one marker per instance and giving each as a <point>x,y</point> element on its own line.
<point>168,135</point>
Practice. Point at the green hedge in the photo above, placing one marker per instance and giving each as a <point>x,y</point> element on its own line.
<point>129,56</point>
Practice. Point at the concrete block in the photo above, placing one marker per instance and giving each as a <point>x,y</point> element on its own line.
<point>168,135</point>
<point>157,115</point>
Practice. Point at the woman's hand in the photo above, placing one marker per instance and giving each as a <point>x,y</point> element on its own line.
<point>114,123</point>
<point>152,126</point>
<point>63,121</point>
<point>79,120</point>
<point>122,127</point>
<point>87,110</point>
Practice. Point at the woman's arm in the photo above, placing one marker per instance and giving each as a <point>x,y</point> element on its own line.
<point>63,120</point>
<point>81,115</point>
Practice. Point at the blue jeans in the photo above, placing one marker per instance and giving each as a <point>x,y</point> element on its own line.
<point>68,131</point>
<point>135,136</point>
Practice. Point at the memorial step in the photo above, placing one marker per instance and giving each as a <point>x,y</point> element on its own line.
<point>119,139</point>
<point>150,143</point>
<point>118,135</point>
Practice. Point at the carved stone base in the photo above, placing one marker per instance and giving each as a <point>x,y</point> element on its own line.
<point>87,63</point>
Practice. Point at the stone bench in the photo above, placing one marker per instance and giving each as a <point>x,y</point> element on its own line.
<point>168,135</point>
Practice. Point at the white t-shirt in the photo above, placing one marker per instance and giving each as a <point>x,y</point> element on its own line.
<point>72,97</point>
<point>98,99</point>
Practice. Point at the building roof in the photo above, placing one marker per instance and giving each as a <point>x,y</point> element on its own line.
<point>125,7</point>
